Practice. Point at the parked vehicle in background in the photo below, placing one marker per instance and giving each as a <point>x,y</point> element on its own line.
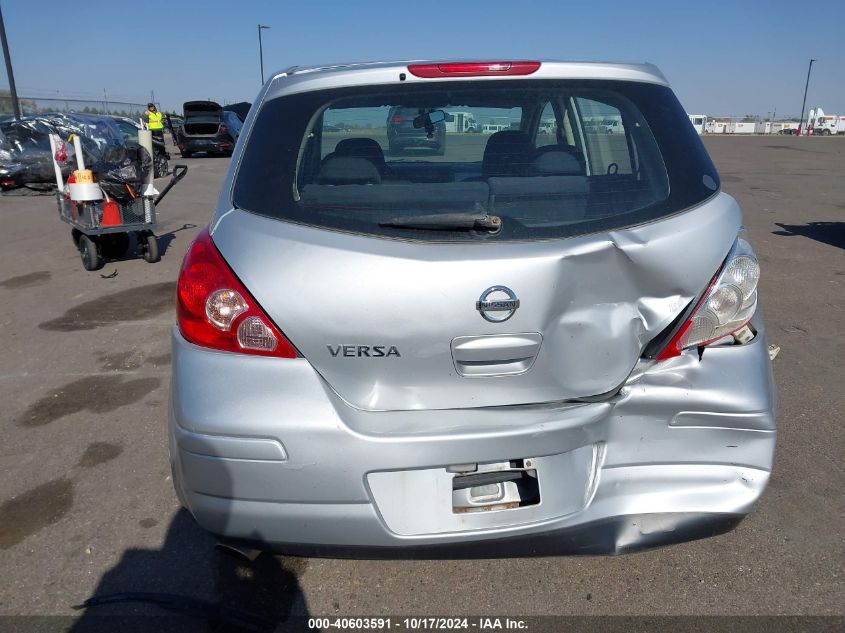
<point>548,127</point>
<point>25,154</point>
<point>175,121</point>
<point>612,126</point>
<point>492,128</point>
<point>603,126</point>
<point>129,129</point>
<point>241,109</point>
<point>699,122</point>
<point>461,122</point>
<point>207,128</point>
<point>828,124</point>
<point>406,129</point>
<point>534,345</point>
<point>26,157</point>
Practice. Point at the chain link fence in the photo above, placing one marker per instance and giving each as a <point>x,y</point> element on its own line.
<point>39,105</point>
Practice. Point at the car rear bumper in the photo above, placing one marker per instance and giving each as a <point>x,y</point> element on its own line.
<point>216,145</point>
<point>414,140</point>
<point>264,452</point>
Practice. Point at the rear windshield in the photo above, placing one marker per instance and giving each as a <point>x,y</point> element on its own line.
<point>483,160</point>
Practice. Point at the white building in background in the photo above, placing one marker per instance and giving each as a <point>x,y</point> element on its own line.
<point>699,122</point>
<point>716,126</point>
<point>732,126</point>
<point>743,127</point>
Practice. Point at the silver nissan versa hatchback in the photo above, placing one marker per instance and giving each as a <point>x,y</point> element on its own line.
<point>544,341</point>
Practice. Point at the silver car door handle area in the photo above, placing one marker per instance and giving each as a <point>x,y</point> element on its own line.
<point>495,354</point>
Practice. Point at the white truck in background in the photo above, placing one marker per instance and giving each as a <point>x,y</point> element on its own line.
<point>827,124</point>
<point>699,122</point>
<point>461,122</point>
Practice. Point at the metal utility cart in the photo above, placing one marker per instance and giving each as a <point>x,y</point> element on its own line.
<point>101,231</point>
<point>101,226</point>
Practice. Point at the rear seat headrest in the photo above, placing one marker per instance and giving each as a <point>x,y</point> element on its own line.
<point>362,148</point>
<point>556,164</point>
<point>348,170</point>
<point>507,153</point>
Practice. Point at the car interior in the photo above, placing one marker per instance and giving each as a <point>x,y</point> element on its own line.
<point>528,173</point>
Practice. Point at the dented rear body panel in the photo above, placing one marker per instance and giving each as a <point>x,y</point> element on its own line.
<point>492,389</point>
<point>596,300</point>
<point>682,451</point>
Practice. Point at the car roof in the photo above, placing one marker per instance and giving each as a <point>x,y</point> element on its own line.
<point>302,79</point>
<point>125,119</point>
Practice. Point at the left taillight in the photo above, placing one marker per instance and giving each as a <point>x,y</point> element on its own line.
<point>215,310</point>
<point>726,307</point>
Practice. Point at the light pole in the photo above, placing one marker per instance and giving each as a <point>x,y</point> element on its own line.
<point>804,103</point>
<point>261,51</point>
<point>13,92</point>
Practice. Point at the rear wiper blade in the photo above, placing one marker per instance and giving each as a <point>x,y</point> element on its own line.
<point>447,222</point>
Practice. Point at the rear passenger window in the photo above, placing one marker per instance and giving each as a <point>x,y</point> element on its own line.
<point>547,132</point>
<point>605,137</point>
<point>342,123</point>
<point>548,158</point>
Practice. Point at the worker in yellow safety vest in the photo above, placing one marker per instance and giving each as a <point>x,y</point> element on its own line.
<point>154,121</point>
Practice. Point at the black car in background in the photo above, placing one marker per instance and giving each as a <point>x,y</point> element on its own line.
<point>207,128</point>
<point>175,121</point>
<point>407,129</point>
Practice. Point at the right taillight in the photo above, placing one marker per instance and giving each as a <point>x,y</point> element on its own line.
<point>215,310</point>
<point>727,305</point>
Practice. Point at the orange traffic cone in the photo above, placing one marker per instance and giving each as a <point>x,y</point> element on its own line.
<point>111,213</point>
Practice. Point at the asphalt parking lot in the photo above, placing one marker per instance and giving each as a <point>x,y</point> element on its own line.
<point>86,503</point>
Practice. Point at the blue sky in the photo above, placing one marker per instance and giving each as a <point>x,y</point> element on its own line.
<point>722,58</point>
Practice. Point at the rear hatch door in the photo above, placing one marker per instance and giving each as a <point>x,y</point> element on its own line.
<point>202,118</point>
<point>395,325</point>
<point>602,241</point>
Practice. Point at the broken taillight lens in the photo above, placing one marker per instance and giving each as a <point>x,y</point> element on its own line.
<point>727,305</point>
<point>215,310</point>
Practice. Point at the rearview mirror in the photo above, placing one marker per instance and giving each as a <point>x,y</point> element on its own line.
<point>429,118</point>
<point>437,116</point>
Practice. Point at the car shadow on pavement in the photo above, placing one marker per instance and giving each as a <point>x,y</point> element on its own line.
<point>191,586</point>
<point>832,233</point>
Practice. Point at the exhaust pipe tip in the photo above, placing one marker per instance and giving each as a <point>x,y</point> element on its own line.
<point>243,554</point>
